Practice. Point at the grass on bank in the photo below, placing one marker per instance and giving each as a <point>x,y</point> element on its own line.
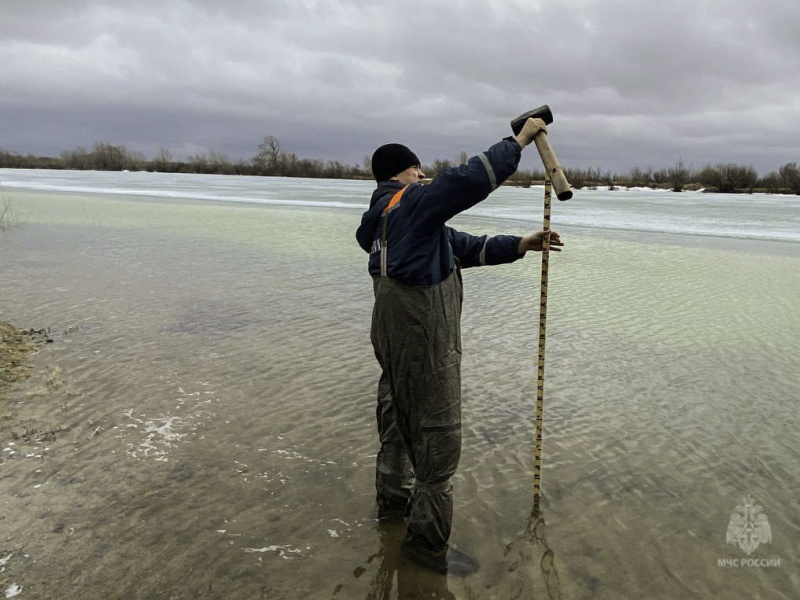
<point>15,348</point>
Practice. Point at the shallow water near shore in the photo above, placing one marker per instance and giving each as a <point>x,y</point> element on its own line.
<point>203,423</point>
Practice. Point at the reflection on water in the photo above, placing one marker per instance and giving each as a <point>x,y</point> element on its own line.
<point>391,575</point>
<point>527,569</point>
<point>209,428</point>
<point>535,534</point>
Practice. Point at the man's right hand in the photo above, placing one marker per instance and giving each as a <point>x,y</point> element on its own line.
<point>529,131</point>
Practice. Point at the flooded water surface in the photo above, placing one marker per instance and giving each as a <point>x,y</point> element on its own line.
<point>202,423</point>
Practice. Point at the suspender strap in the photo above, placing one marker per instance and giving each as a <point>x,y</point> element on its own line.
<point>395,199</point>
<point>389,207</point>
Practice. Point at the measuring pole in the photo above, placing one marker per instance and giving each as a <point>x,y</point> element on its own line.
<point>537,455</point>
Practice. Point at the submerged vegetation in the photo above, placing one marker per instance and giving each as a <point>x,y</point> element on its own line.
<point>8,216</point>
<point>272,159</point>
<point>15,347</point>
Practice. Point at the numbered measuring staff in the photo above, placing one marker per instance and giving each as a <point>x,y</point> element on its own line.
<point>537,453</point>
<point>564,192</point>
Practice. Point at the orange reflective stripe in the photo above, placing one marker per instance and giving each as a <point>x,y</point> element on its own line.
<point>395,199</point>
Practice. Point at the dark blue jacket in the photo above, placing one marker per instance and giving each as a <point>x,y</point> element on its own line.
<point>420,247</point>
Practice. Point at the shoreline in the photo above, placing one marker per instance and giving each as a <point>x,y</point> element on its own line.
<point>519,182</point>
<point>589,186</point>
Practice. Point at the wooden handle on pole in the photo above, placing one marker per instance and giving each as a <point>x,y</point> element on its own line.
<point>554,171</point>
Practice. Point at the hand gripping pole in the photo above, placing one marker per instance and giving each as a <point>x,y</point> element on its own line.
<point>554,171</point>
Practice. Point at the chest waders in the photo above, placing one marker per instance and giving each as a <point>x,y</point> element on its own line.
<point>416,335</point>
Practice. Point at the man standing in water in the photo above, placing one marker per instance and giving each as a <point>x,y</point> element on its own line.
<point>415,261</point>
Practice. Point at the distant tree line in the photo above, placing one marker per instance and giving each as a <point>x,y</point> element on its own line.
<point>272,159</point>
<point>723,177</point>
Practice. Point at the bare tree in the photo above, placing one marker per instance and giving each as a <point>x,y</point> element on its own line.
<point>660,176</point>
<point>107,157</point>
<point>729,177</point>
<point>771,182</point>
<point>790,177</point>
<point>219,163</point>
<point>678,176</point>
<point>163,160</point>
<point>78,159</point>
<point>639,177</point>
<point>438,167</point>
<point>270,152</point>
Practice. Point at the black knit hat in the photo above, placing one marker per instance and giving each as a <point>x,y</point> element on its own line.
<point>391,159</point>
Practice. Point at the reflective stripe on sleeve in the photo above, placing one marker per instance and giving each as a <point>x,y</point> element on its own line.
<point>483,251</point>
<point>489,170</point>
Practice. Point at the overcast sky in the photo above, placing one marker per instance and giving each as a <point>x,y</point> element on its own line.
<point>631,83</point>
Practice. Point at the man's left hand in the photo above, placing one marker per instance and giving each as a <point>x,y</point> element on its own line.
<point>535,242</point>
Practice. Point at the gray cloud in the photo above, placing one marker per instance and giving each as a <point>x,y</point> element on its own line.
<point>631,83</point>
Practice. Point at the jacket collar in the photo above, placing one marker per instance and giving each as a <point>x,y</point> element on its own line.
<point>384,187</point>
